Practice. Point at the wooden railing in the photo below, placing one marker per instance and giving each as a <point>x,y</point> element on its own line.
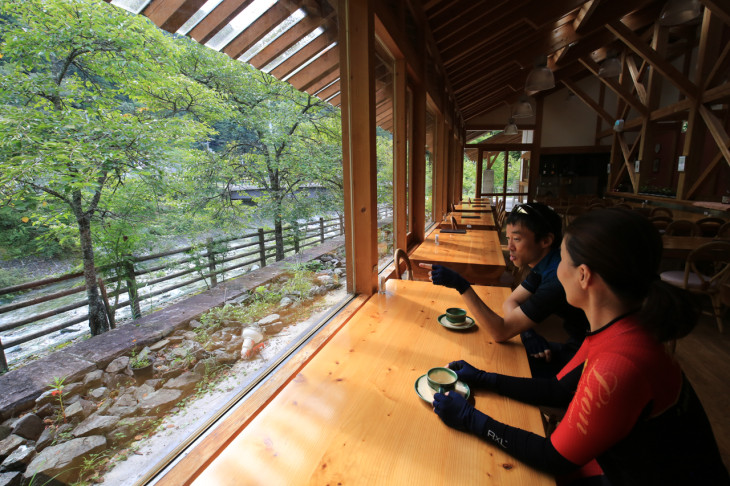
<point>208,260</point>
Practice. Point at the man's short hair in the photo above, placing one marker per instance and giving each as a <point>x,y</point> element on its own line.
<point>540,219</point>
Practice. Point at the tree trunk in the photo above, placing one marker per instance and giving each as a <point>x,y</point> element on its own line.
<point>97,314</point>
<point>279,237</point>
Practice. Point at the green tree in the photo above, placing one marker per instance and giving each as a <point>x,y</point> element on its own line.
<point>90,97</point>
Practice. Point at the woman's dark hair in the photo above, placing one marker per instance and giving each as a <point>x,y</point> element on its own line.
<point>540,219</point>
<point>625,249</point>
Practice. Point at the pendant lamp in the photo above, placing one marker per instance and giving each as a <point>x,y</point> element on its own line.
<point>511,128</point>
<point>676,12</point>
<point>541,77</point>
<point>523,107</point>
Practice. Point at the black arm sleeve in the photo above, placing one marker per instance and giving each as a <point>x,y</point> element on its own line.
<point>549,392</point>
<point>532,449</point>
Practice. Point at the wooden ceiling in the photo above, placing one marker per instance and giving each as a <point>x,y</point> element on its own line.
<point>486,48</point>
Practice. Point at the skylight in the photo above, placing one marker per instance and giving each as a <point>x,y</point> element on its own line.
<point>310,60</point>
<point>295,48</point>
<point>198,16</point>
<point>247,17</point>
<point>287,24</point>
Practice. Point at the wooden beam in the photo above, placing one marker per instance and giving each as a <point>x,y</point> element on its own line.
<point>636,77</point>
<point>705,174</point>
<point>716,128</point>
<point>318,44</point>
<point>256,31</point>
<point>218,18</point>
<point>663,66</point>
<point>288,39</point>
<point>719,8</point>
<point>617,88</point>
<point>400,154</point>
<point>170,15</point>
<point>583,96</point>
<point>492,147</point>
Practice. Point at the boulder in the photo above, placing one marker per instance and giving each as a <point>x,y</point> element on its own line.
<point>225,357</point>
<point>45,411</point>
<point>93,379</point>
<point>186,381</point>
<point>29,426</point>
<point>124,406</point>
<point>161,400</point>
<point>270,319</point>
<point>10,478</point>
<point>118,365</point>
<point>60,461</point>
<point>99,393</point>
<point>72,389</point>
<point>46,438</point>
<point>285,302</point>
<point>9,444</point>
<point>116,380</point>
<point>142,391</point>
<point>159,345</point>
<point>95,425</point>
<point>196,324</point>
<point>5,431</point>
<point>78,411</point>
<point>154,383</point>
<point>19,459</point>
<point>127,428</point>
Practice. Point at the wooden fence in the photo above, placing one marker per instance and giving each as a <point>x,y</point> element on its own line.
<point>209,260</point>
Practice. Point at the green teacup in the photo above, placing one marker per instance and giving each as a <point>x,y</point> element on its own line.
<point>456,315</point>
<point>442,379</point>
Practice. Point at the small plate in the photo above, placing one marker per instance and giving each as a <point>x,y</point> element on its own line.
<point>468,322</point>
<point>426,392</point>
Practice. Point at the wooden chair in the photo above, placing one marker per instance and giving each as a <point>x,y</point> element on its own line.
<point>682,227</point>
<point>706,270</point>
<point>710,226</point>
<point>660,211</point>
<point>660,222</point>
<point>724,231</point>
<point>453,223</point>
<point>398,256</point>
<point>572,212</point>
<point>622,205</point>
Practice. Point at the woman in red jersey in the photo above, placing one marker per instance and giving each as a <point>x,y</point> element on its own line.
<point>629,406</point>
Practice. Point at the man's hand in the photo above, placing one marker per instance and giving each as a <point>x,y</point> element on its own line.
<point>536,345</point>
<point>441,275</point>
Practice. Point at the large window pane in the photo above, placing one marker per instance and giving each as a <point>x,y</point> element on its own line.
<point>430,163</point>
<point>384,148</point>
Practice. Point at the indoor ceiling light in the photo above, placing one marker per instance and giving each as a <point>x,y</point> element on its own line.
<point>541,77</point>
<point>677,12</point>
<point>610,67</point>
<point>511,128</point>
<point>523,108</point>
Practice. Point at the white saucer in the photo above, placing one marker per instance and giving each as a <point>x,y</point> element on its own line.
<point>468,322</point>
<point>426,392</point>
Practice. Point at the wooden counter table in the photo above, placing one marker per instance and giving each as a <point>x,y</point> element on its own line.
<point>352,415</point>
<point>473,208</point>
<point>681,246</point>
<point>480,221</point>
<point>476,255</point>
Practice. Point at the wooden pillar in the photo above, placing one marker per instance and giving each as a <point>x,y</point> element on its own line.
<point>480,169</point>
<point>535,153</point>
<point>418,184</point>
<point>400,154</point>
<point>357,60</point>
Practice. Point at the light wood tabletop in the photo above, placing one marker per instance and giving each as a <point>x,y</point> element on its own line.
<point>476,255</point>
<point>681,246</point>
<point>482,221</point>
<point>352,414</point>
<point>473,208</point>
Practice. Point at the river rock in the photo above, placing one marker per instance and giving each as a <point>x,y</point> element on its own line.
<point>116,380</point>
<point>118,365</point>
<point>270,319</point>
<point>160,401</point>
<point>196,324</point>
<point>45,411</point>
<point>95,425</point>
<point>98,393</point>
<point>159,345</point>
<point>186,381</point>
<point>143,391</point>
<point>5,431</point>
<point>127,428</point>
<point>60,461</point>
<point>80,410</point>
<point>19,459</point>
<point>93,379</point>
<point>10,478</point>
<point>46,438</point>
<point>45,397</point>
<point>223,357</point>
<point>189,335</point>
<point>285,302</point>
<point>124,406</point>
<point>155,383</point>
<point>72,388</point>
<point>9,444</point>
<point>29,426</point>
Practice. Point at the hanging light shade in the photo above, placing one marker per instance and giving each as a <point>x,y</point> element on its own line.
<point>676,12</point>
<point>511,128</point>
<point>523,108</point>
<point>541,77</point>
<point>610,68</point>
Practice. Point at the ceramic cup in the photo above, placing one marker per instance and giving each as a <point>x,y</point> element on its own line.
<point>442,379</point>
<point>455,315</point>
